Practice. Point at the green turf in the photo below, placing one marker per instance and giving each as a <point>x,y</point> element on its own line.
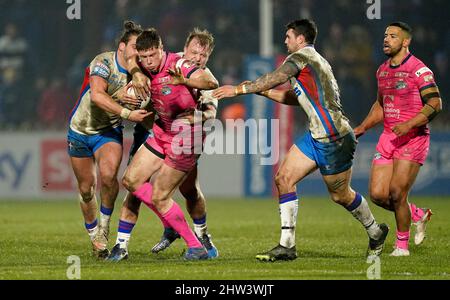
<point>37,237</point>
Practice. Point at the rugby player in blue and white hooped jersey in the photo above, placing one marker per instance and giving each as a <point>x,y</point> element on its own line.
<point>328,145</point>
<point>95,134</point>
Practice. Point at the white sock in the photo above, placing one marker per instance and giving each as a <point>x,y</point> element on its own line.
<point>200,227</point>
<point>105,217</point>
<point>92,231</point>
<point>361,212</point>
<point>123,239</point>
<point>288,215</point>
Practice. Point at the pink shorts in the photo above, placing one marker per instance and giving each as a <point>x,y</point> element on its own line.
<point>180,152</point>
<point>413,147</point>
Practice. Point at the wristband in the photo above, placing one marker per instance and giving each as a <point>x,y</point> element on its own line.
<point>125,113</point>
<point>265,93</point>
<point>240,89</point>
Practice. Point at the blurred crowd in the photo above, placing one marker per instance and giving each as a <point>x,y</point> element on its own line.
<point>43,54</point>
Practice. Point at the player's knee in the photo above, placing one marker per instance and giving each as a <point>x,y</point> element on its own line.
<point>379,198</point>
<point>282,181</point>
<point>87,192</point>
<point>396,194</point>
<point>129,183</point>
<point>109,180</point>
<point>190,193</point>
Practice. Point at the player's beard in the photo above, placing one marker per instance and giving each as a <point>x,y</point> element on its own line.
<point>393,52</point>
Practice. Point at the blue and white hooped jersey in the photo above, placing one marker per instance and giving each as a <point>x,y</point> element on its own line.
<point>318,94</point>
<point>86,117</point>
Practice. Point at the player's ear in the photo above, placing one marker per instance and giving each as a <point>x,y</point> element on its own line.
<point>406,42</point>
<point>122,46</point>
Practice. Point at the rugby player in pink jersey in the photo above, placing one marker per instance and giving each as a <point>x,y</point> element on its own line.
<point>328,145</point>
<point>408,99</point>
<point>198,48</point>
<point>173,84</point>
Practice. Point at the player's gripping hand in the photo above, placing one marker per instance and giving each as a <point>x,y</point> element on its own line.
<point>177,77</point>
<point>139,115</point>
<point>226,91</point>
<point>129,100</point>
<point>141,85</point>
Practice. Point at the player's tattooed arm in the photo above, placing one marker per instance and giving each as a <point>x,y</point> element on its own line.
<point>270,80</point>
<point>264,83</point>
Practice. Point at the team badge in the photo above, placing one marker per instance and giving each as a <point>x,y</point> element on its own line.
<point>401,85</point>
<point>166,90</point>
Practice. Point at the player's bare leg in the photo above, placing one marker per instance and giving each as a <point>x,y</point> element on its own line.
<point>380,179</point>
<point>159,195</point>
<point>293,169</point>
<point>340,191</point>
<point>404,175</point>
<point>108,158</point>
<point>84,170</point>
<point>140,169</point>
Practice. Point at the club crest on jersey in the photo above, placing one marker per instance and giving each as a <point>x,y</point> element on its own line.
<point>400,85</point>
<point>166,90</point>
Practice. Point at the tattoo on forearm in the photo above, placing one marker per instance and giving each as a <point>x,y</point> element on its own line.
<point>270,80</point>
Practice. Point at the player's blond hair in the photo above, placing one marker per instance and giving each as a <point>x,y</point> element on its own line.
<point>204,37</point>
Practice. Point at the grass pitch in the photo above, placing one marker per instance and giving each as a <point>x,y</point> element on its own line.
<point>37,237</point>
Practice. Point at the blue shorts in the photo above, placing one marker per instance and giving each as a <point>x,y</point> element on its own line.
<point>331,158</point>
<point>81,145</point>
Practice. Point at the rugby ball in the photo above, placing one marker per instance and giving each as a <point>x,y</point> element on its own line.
<point>144,102</point>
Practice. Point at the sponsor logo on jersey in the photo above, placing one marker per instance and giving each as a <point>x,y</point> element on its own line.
<point>422,71</point>
<point>377,156</point>
<point>388,97</point>
<point>163,80</point>
<point>401,74</point>
<point>384,74</point>
<point>428,78</point>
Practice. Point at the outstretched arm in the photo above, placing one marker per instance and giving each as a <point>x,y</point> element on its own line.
<point>286,97</point>
<point>200,79</point>
<point>263,83</point>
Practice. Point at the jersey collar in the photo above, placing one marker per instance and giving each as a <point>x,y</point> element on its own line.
<point>119,67</point>
<point>403,62</point>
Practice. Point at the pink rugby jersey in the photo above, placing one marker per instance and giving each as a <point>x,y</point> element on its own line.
<point>171,100</point>
<point>399,88</point>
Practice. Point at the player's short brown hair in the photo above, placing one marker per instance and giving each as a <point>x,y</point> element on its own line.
<point>305,27</point>
<point>148,39</point>
<point>204,37</point>
<point>129,29</point>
